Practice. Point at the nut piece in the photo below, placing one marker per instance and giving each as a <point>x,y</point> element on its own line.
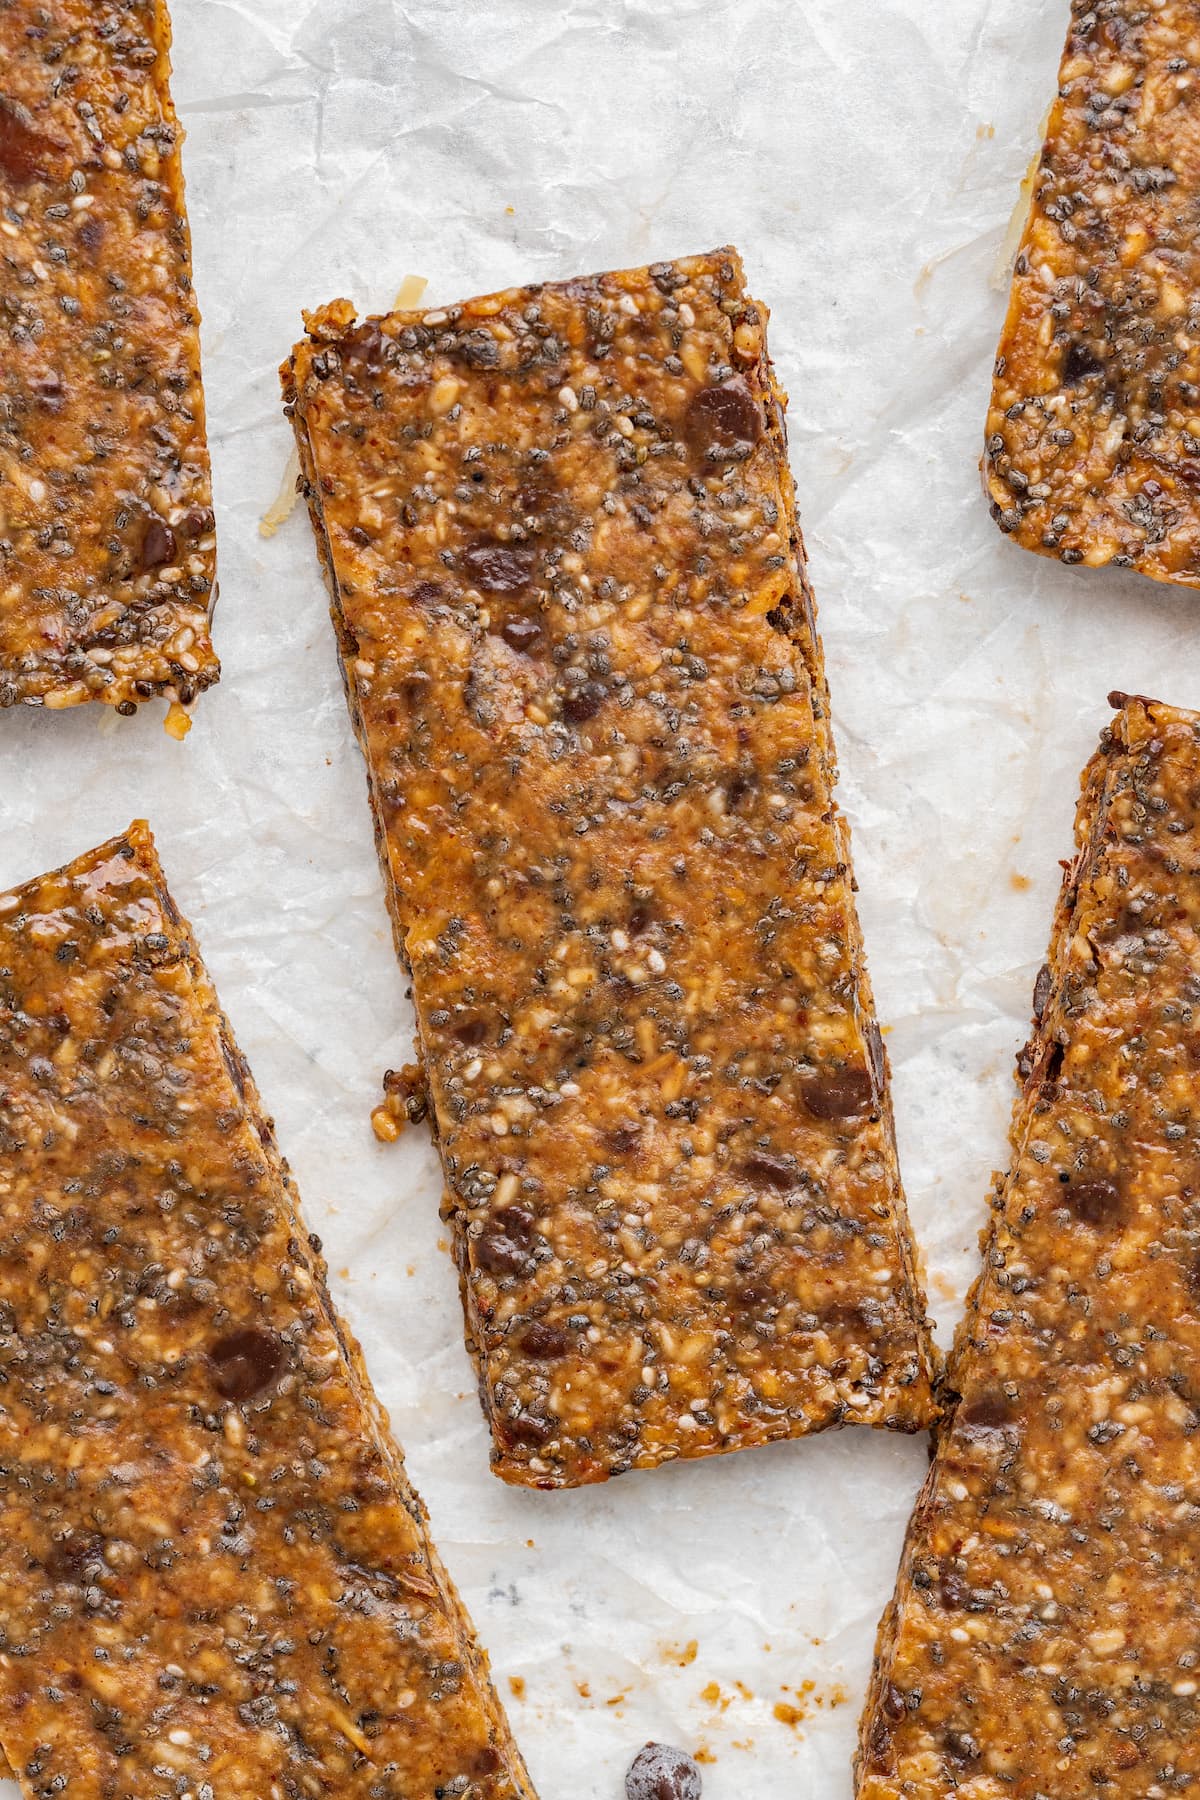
<point>594,711</point>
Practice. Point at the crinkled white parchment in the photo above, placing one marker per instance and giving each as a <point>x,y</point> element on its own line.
<point>865,156</point>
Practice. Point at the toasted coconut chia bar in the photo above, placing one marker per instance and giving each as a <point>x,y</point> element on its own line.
<point>106,526</point>
<point>1044,1637</point>
<point>214,1576</point>
<point>579,647</point>
<point>1093,446</point>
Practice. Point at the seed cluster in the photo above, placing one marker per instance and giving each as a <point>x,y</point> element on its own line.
<point>106,524</point>
<point>1093,447</point>
<point>215,1579</point>
<point>579,645</point>
<point>1044,1637</point>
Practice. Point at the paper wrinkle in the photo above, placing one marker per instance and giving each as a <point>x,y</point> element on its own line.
<point>865,156</point>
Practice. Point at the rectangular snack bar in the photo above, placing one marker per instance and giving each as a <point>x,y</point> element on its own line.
<point>106,525</point>
<point>568,591</point>
<point>1044,1637</point>
<point>1093,436</point>
<point>215,1579</point>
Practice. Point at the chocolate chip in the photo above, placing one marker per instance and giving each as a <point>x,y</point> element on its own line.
<point>199,521</point>
<point>751,1293</point>
<point>91,234</point>
<point>722,418</point>
<point>661,1772</point>
<point>1041,991</point>
<point>68,1557</point>
<point>519,1224</point>
<point>768,1171</point>
<point>743,786</point>
<point>498,568</point>
<point>246,1362</point>
<point>985,1412</point>
<point>425,593</point>
<point>500,1256</point>
<point>1096,1203</point>
<point>470,1031</point>
<point>880,1741</point>
<point>49,391</point>
<point>1050,1066</point>
<point>893,1702</point>
<point>1079,363</point>
<point>583,702</point>
<point>543,1341</point>
<point>624,1136</point>
<point>530,1428</point>
<point>158,545</point>
<point>502,1248</point>
<point>487,1760</point>
<point>952,1592</point>
<point>25,152</point>
<point>844,1318</point>
<point>841,1094</point>
<point>521,634</point>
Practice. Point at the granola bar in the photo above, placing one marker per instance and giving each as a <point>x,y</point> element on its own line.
<point>106,524</point>
<point>215,1578</point>
<point>1093,445</point>
<point>1043,1639</point>
<point>568,591</point>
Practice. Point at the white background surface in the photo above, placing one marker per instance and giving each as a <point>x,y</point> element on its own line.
<point>864,155</point>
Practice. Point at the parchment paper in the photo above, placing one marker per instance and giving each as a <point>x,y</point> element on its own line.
<point>865,156</point>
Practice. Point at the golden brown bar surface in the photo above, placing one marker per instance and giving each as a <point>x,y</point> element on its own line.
<point>214,1576</point>
<point>579,647</point>
<point>1044,1639</point>
<point>1093,449</point>
<point>106,525</point>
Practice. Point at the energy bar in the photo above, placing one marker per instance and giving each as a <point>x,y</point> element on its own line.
<point>215,1578</point>
<point>579,647</point>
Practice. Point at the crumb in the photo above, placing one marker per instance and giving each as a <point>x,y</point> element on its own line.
<point>516,1686</point>
<point>1019,883</point>
<point>178,722</point>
